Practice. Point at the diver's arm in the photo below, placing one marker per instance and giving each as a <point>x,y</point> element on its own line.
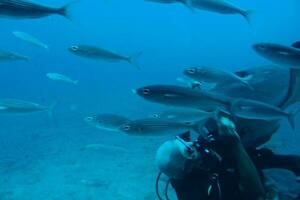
<point>250,184</point>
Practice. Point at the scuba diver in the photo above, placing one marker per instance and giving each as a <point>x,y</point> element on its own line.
<point>218,167</point>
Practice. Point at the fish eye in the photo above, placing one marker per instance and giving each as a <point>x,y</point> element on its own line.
<point>89,119</point>
<point>74,48</point>
<point>262,47</point>
<point>146,91</point>
<point>191,71</point>
<point>126,127</point>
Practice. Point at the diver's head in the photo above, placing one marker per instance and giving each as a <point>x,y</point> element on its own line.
<point>175,158</point>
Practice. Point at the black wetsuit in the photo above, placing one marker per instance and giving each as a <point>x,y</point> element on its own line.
<point>201,184</point>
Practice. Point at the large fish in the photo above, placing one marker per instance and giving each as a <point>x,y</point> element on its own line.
<point>10,56</point>
<point>27,9</point>
<point>279,54</point>
<point>215,76</point>
<point>283,94</point>
<point>220,6</point>
<point>158,127</point>
<point>250,109</point>
<point>29,39</point>
<point>15,106</point>
<point>184,97</point>
<point>98,53</point>
<point>106,121</point>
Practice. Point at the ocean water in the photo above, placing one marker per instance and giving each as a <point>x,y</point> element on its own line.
<point>43,158</point>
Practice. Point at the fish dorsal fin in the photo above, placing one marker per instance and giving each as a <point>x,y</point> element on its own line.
<point>296,45</point>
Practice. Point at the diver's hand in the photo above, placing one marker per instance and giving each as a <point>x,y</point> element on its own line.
<point>227,131</point>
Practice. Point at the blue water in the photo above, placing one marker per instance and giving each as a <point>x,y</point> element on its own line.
<point>41,158</point>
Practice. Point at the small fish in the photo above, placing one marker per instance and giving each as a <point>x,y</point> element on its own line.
<point>178,96</point>
<point>15,106</point>
<point>251,109</point>
<point>158,127</point>
<point>22,9</point>
<point>29,39</point>
<point>279,54</point>
<point>183,115</point>
<point>215,76</point>
<point>98,53</point>
<point>221,6</point>
<point>95,183</point>
<point>108,122</point>
<point>10,56</point>
<point>102,147</point>
<point>60,77</point>
<point>218,6</point>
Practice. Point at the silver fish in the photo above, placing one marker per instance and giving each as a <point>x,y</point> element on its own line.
<point>183,115</point>
<point>220,6</point>
<point>184,97</point>
<point>10,56</point>
<point>15,106</point>
<point>279,54</point>
<point>251,109</point>
<point>61,77</point>
<point>108,122</point>
<point>25,9</point>
<point>158,127</point>
<point>29,39</point>
<point>98,53</point>
<point>215,76</point>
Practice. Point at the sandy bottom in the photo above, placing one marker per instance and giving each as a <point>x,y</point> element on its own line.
<point>68,162</point>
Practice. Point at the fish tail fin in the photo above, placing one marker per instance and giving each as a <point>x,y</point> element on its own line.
<point>291,117</point>
<point>65,10</point>
<point>51,110</point>
<point>134,59</point>
<point>247,15</point>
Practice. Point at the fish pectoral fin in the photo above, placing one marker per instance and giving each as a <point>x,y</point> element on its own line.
<point>170,95</point>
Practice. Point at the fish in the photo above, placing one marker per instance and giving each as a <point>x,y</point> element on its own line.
<point>6,56</point>
<point>182,115</point>
<point>103,148</point>
<point>186,3</point>
<point>16,106</point>
<point>279,54</point>
<point>178,96</point>
<point>190,83</point>
<point>23,9</point>
<point>282,94</point>
<point>251,109</point>
<point>215,76</point>
<point>98,53</point>
<point>61,77</point>
<point>222,7</point>
<point>158,127</point>
<point>106,121</point>
<point>29,39</point>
